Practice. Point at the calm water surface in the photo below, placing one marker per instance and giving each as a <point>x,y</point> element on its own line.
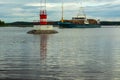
<point>72,54</point>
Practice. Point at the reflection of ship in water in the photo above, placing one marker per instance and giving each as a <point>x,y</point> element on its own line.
<point>43,46</point>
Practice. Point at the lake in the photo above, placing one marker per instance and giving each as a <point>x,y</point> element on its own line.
<point>71,54</point>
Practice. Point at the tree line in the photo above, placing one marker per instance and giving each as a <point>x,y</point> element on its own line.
<point>2,22</point>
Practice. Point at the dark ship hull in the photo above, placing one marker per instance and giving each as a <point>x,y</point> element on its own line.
<point>78,24</point>
<point>71,25</point>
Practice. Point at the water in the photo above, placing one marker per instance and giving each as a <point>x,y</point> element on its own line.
<point>72,54</point>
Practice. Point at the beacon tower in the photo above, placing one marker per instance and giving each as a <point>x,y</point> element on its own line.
<point>43,18</point>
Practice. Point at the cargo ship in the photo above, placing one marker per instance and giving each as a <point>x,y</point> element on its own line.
<point>79,21</point>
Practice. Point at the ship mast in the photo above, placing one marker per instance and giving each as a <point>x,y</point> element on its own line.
<point>81,10</point>
<point>62,19</point>
<point>83,13</point>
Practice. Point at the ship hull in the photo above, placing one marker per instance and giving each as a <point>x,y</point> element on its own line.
<point>71,25</point>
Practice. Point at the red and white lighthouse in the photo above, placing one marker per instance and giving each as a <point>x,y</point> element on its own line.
<point>43,27</point>
<point>43,13</point>
<point>43,18</point>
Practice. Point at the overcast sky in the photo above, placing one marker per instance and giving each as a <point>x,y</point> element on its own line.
<point>28,10</point>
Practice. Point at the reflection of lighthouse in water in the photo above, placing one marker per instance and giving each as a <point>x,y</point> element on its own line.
<point>43,46</point>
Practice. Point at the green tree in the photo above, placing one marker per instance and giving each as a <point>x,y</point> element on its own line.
<point>2,22</point>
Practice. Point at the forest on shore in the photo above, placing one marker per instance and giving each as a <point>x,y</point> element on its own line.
<point>2,23</point>
<point>26,24</point>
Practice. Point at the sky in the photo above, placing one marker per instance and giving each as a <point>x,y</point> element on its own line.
<point>28,10</point>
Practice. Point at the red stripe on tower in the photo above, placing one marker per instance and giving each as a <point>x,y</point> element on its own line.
<point>43,17</point>
<point>43,13</point>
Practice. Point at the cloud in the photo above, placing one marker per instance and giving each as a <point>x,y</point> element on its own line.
<point>29,9</point>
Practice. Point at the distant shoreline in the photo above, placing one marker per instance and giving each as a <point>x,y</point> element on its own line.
<point>30,24</point>
<point>110,23</point>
